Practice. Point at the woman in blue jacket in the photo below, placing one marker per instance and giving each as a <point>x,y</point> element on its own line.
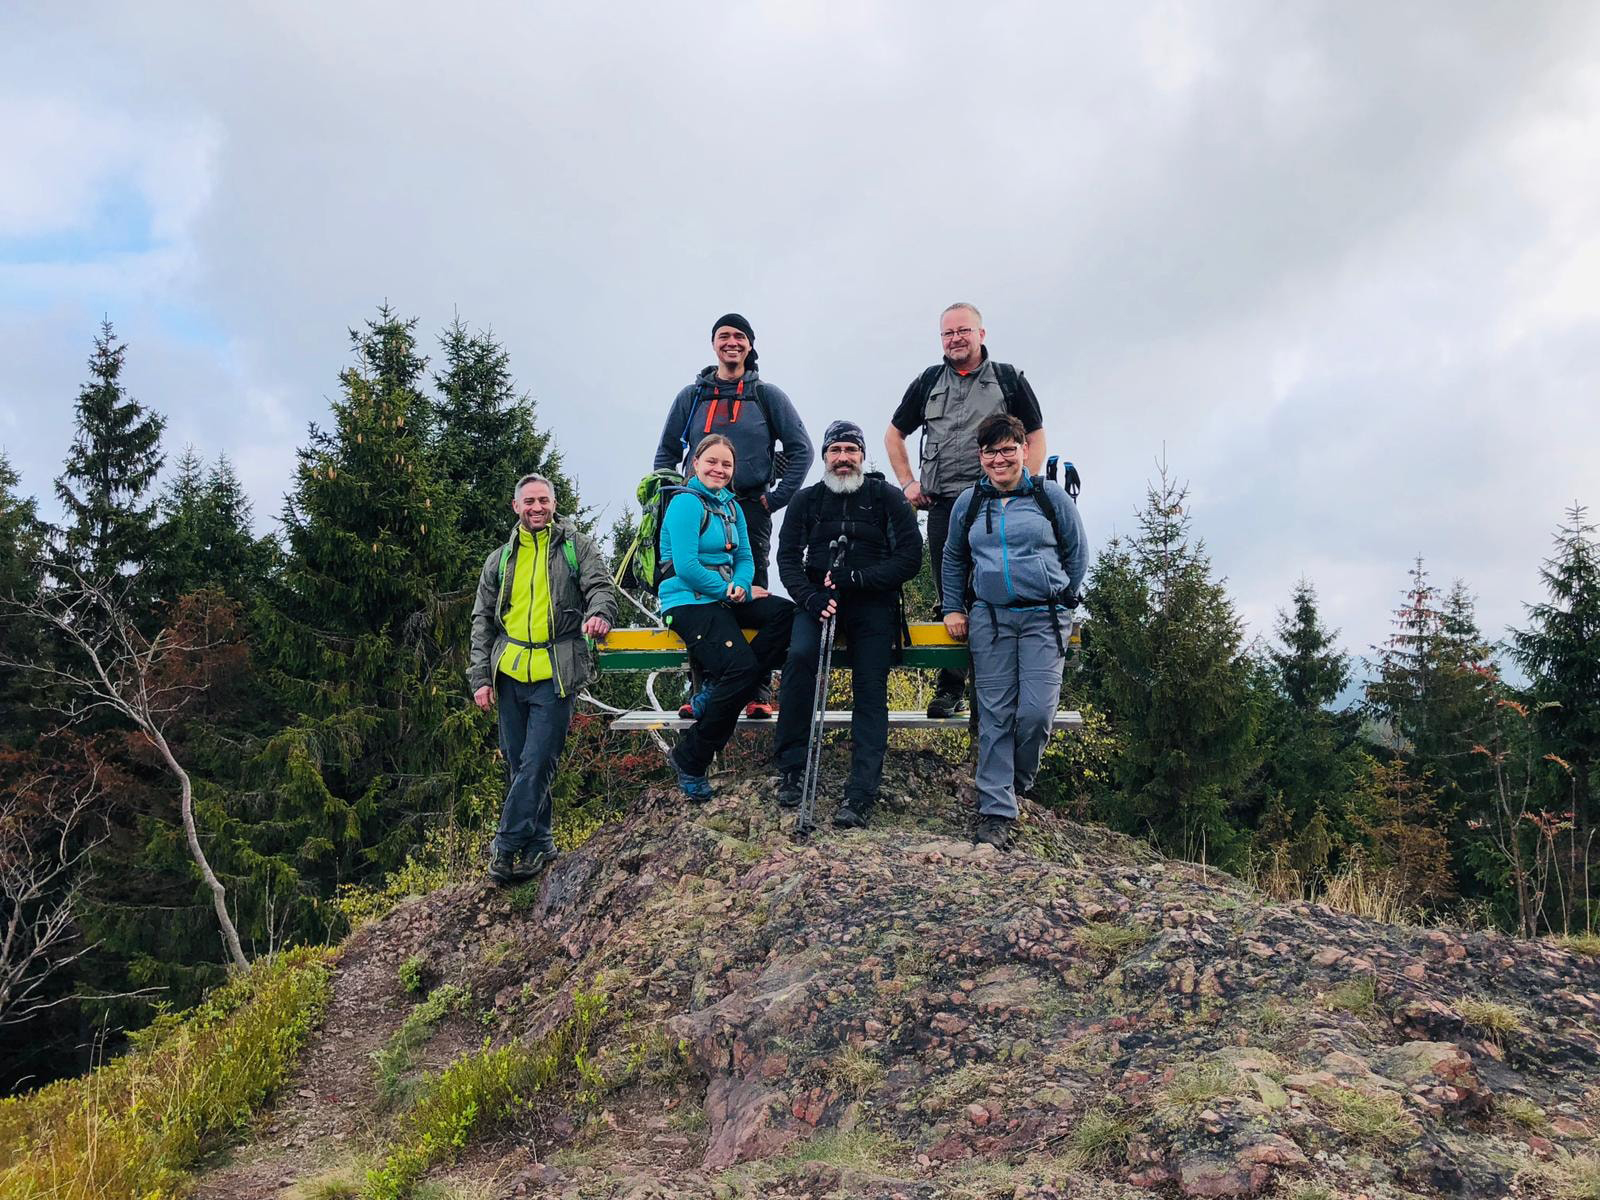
<point>708,599</point>
<point>1013,564</point>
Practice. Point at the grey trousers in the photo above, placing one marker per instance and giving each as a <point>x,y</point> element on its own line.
<point>1016,676</point>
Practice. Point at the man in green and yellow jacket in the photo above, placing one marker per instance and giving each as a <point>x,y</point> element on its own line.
<point>541,596</point>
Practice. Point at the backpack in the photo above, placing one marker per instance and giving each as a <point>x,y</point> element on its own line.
<point>1006,375</point>
<point>641,564</point>
<point>1035,492</point>
<point>759,395</point>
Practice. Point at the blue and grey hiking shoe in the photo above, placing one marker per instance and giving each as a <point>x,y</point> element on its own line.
<point>696,787</point>
<point>694,707</point>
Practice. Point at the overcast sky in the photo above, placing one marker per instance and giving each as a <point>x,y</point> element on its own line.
<point>1339,262</point>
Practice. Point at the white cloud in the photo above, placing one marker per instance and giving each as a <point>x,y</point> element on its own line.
<point>1342,261</point>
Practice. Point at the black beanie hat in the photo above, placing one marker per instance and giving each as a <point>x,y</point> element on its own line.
<point>735,321</point>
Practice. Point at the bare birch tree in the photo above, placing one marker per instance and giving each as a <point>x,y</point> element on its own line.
<point>110,666</point>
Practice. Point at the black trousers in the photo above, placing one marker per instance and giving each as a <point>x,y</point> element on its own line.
<point>868,621</point>
<point>713,634</point>
<point>951,682</point>
<point>758,523</point>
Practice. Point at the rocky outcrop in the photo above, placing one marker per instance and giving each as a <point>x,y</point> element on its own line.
<point>898,1013</point>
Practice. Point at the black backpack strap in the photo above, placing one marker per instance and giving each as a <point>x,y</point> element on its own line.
<point>1010,380</point>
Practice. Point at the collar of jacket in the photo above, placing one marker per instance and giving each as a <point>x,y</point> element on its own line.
<point>1024,485</point>
<point>720,495</point>
<point>560,528</point>
<point>983,357</point>
<point>708,375</point>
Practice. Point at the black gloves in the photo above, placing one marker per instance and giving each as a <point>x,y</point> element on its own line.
<point>817,601</point>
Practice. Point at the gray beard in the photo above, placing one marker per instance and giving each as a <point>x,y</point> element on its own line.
<point>843,486</point>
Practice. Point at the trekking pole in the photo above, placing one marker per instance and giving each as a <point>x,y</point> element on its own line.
<point>803,823</point>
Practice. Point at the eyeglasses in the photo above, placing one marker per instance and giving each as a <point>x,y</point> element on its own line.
<point>992,452</point>
<point>964,331</point>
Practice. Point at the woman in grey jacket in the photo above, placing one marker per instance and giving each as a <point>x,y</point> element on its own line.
<point>1013,564</point>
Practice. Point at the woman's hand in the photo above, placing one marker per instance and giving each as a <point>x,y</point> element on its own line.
<point>955,624</point>
<point>758,593</point>
<point>735,594</point>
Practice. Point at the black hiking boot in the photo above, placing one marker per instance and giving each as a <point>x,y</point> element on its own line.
<point>853,813</point>
<point>531,864</point>
<point>502,868</point>
<point>945,705</point>
<point>789,787</point>
<point>994,831</point>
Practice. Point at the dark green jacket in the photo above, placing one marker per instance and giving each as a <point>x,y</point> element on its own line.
<point>574,598</point>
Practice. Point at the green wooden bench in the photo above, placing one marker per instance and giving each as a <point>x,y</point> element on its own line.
<point>930,646</point>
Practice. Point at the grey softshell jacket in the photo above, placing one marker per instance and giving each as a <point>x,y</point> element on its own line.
<point>573,600</point>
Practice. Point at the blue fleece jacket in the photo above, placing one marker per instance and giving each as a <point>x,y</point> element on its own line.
<point>710,405</point>
<point>1010,553</point>
<point>704,563</point>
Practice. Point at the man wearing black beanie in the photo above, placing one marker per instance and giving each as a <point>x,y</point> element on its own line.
<point>730,397</point>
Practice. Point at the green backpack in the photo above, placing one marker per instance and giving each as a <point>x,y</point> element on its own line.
<point>642,565</point>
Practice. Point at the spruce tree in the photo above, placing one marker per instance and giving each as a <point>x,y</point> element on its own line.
<point>114,459</point>
<point>22,546</point>
<point>1163,662</point>
<point>204,537</point>
<point>366,650</point>
<point>1433,687</point>
<point>1310,762</point>
<point>1560,651</point>
<point>486,439</point>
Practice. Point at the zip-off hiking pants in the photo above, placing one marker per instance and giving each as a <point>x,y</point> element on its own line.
<point>714,636</point>
<point>533,729</point>
<point>1016,675</point>
<point>868,622</point>
<point>951,681</point>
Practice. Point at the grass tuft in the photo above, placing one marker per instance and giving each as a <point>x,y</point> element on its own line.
<point>1099,1140</point>
<point>1587,944</point>
<point>1494,1020</point>
<point>1524,1112</point>
<point>855,1071</point>
<point>131,1127</point>
<point>1379,1118</point>
<point>1358,996</point>
<point>1196,1085</point>
<point>860,1149</point>
<point>1111,943</point>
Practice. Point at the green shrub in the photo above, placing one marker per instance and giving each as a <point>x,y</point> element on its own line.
<point>129,1129</point>
<point>410,973</point>
<point>478,1091</point>
<point>393,1061</point>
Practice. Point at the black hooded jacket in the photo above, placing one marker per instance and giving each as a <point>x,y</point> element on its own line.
<point>885,545</point>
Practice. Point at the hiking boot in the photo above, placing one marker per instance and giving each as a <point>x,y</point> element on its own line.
<point>789,787</point>
<point>759,710</point>
<point>502,867</point>
<point>532,863</point>
<point>696,787</point>
<point>945,705</point>
<point>694,707</point>
<point>853,814</point>
<point>994,831</point>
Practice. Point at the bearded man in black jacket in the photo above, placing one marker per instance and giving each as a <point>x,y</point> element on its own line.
<point>884,553</point>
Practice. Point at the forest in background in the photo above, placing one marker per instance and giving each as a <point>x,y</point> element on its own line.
<point>306,692</point>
